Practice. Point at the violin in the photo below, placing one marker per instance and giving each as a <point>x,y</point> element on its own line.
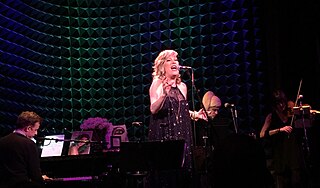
<point>290,109</point>
<point>304,109</point>
<point>314,111</point>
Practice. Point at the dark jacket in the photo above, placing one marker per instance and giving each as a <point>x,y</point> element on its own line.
<point>19,161</point>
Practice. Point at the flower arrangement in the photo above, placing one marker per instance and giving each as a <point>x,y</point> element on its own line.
<point>101,129</point>
<point>95,123</point>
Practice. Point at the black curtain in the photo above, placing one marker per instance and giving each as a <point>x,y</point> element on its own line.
<point>292,47</point>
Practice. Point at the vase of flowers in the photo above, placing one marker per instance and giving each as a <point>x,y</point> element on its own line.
<point>101,128</point>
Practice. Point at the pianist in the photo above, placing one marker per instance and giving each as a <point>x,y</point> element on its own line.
<point>19,158</point>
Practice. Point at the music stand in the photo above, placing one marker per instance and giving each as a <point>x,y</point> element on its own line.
<point>303,120</point>
<point>52,147</point>
<point>302,116</point>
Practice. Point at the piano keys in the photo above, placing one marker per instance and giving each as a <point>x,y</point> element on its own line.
<point>78,170</point>
<point>78,165</point>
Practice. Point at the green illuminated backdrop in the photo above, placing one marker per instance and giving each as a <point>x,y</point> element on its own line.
<point>69,60</point>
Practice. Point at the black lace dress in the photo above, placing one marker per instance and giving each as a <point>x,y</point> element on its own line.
<point>173,122</point>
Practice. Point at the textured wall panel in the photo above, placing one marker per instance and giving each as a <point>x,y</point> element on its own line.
<point>71,60</point>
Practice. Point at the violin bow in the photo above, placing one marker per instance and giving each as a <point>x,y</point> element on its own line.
<point>295,103</point>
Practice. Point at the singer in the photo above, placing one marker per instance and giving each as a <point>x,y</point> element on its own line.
<point>170,119</point>
<point>19,159</point>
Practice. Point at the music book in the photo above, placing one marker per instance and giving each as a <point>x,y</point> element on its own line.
<point>52,146</point>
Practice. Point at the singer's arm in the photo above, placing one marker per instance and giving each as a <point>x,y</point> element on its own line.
<point>195,115</point>
<point>183,88</point>
<point>198,115</point>
<point>157,95</point>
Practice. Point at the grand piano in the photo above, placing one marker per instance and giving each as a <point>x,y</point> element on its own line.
<point>114,168</point>
<point>89,170</point>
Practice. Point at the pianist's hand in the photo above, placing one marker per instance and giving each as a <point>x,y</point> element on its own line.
<point>46,178</point>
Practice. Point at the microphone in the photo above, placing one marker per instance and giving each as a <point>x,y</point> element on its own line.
<point>39,138</point>
<point>228,105</point>
<point>184,67</point>
<point>42,139</point>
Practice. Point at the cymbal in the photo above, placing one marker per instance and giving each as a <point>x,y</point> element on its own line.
<point>315,111</point>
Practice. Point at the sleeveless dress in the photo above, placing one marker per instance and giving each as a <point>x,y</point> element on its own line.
<point>173,122</point>
<point>286,151</point>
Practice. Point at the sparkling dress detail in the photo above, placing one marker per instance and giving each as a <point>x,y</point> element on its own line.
<point>173,122</point>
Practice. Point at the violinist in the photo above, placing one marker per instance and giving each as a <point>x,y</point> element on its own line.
<point>284,154</point>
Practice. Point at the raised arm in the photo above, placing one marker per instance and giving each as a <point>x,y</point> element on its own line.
<point>157,94</point>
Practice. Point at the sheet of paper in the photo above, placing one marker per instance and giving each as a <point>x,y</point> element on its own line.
<point>52,146</point>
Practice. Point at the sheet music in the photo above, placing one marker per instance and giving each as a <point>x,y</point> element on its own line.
<point>52,147</point>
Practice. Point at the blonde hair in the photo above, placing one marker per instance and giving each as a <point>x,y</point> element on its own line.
<point>158,69</point>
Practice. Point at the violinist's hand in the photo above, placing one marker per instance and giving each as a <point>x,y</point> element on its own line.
<point>287,129</point>
<point>46,178</point>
